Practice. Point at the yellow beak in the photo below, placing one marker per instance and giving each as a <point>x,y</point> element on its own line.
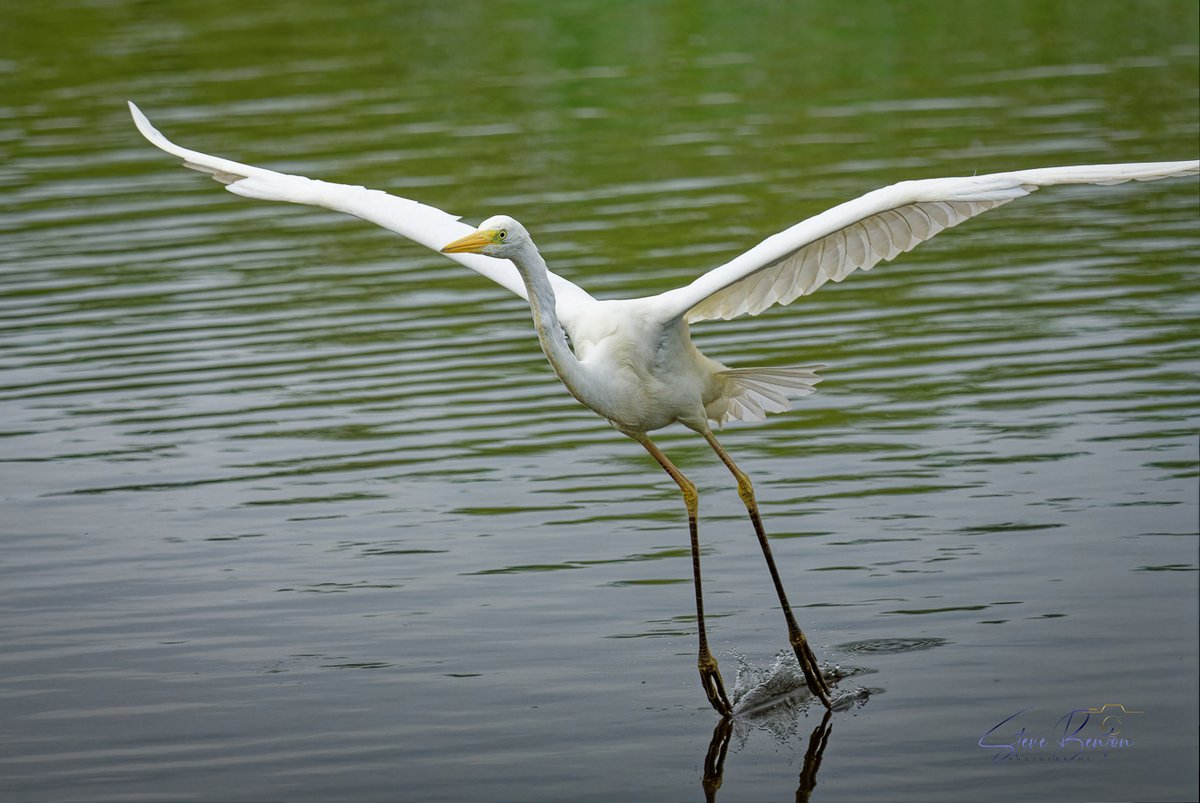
<point>473,243</point>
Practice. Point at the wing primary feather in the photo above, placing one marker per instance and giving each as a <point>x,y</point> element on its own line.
<point>426,225</point>
<point>858,234</point>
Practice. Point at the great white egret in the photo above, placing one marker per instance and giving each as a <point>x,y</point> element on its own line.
<point>632,361</point>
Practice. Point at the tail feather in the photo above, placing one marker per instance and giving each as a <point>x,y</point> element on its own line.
<point>751,393</point>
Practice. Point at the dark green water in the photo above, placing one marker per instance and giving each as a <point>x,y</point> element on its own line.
<point>293,510</point>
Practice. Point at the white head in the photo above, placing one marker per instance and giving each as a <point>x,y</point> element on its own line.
<point>498,236</point>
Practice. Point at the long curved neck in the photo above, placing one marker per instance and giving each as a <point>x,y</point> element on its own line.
<point>536,275</point>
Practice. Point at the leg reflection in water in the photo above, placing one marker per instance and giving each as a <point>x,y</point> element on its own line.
<point>718,747</point>
<point>714,760</point>
<point>812,759</point>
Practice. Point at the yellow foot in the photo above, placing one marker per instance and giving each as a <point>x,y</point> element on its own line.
<point>714,687</point>
<point>810,668</point>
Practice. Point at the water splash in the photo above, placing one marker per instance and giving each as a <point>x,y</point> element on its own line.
<point>776,698</point>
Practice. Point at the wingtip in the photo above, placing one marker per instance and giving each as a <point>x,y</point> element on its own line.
<point>139,119</point>
<point>147,129</point>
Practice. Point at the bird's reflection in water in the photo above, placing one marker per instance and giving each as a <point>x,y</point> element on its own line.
<point>718,747</point>
<point>714,760</point>
<point>812,758</point>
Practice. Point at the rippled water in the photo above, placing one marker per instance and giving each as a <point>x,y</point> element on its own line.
<point>292,509</point>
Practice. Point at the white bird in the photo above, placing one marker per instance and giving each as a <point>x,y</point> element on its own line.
<point>632,361</point>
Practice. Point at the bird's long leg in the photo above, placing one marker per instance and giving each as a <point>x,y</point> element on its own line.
<point>710,675</point>
<point>804,654</point>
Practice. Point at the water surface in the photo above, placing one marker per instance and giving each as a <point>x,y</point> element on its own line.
<point>292,509</point>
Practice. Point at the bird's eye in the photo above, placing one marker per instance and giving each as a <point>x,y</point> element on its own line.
<point>502,234</point>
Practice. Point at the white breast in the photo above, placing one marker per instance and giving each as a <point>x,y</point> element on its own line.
<point>644,374</point>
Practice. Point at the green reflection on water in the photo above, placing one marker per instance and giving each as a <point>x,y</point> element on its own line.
<point>276,378</point>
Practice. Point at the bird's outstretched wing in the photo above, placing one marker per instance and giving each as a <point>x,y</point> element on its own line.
<point>878,226</point>
<point>426,225</point>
